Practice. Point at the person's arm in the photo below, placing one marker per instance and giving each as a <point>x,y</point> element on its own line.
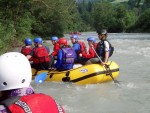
<point>3,109</point>
<point>59,59</point>
<point>56,49</point>
<point>76,47</point>
<point>106,52</point>
<point>30,55</point>
<point>106,57</point>
<point>90,55</point>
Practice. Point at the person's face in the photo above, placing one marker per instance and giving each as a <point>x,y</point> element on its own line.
<point>90,43</point>
<point>36,44</point>
<point>73,40</point>
<point>53,42</point>
<point>100,36</point>
<point>61,45</point>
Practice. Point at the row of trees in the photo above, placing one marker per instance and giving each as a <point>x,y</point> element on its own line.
<point>131,16</point>
<point>29,18</point>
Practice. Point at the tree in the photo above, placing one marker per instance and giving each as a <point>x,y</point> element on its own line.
<point>15,22</point>
<point>142,24</point>
<point>104,16</point>
<point>17,14</point>
<point>55,17</point>
<point>85,10</point>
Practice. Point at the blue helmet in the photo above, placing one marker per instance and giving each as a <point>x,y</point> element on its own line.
<point>28,41</point>
<point>55,38</point>
<point>91,39</point>
<point>74,36</point>
<point>38,40</point>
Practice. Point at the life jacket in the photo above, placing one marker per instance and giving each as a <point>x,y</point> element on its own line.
<point>95,45</point>
<point>34,103</point>
<point>68,55</point>
<point>56,49</point>
<point>100,49</point>
<point>26,50</point>
<point>40,55</point>
<point>82,46</point>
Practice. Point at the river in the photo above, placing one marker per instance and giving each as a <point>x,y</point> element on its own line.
<point>132,54</point>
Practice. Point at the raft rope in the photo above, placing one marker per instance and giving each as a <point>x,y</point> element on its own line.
<point>92,75</point>
<point>108,71</point>
<point>67,78</point>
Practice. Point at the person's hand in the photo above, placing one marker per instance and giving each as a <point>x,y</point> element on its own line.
<point>103,63</point>
<point>87,51</point>
<point>80,54</point>
<point>52,69</point>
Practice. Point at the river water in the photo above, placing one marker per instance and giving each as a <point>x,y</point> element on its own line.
<point>132,54</point>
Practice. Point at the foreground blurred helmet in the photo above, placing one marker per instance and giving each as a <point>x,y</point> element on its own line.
<point>15,71</point>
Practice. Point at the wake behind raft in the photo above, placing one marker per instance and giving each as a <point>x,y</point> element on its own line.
<point>86,74</point>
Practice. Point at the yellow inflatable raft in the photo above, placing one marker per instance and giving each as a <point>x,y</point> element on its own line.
<point>86,74</point>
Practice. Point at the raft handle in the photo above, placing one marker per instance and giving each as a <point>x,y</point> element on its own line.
<point>67,78</point>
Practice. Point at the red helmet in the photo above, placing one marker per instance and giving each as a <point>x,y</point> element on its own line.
<point>63,41</point>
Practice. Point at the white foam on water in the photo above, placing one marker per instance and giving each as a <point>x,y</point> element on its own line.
<point>131,86</point>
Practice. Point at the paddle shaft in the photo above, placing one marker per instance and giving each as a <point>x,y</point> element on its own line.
<point>105,66</point>
<point>96,54</point>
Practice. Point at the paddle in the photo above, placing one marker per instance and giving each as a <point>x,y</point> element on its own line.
<point>40,78</point>
<point>106,66</point>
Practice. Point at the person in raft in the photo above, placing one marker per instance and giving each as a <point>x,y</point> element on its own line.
<point>104,48</point>
<point>66,56</point>
<point>90,54</point>
<point>56,48</point>
<point>40,55</point>
<point>27,48</point>
<point>16,94</point>
<point>78,46</point>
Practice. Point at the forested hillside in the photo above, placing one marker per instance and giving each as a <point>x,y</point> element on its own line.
<point>29,18</point>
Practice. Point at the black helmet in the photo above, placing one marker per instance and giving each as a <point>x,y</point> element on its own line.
<point>103,32</point>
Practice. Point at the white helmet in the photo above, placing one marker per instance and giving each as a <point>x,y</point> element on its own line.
<point>15,71</point>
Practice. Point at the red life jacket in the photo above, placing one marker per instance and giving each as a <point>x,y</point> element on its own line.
<point>95,45</point>
<point>82,46</point>
<point>40,55</point>
<point>35,103</point>
<point>56,49</point>
<point>26,50</point>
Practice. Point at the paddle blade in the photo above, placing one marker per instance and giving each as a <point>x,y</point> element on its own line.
<point>40,78</point>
